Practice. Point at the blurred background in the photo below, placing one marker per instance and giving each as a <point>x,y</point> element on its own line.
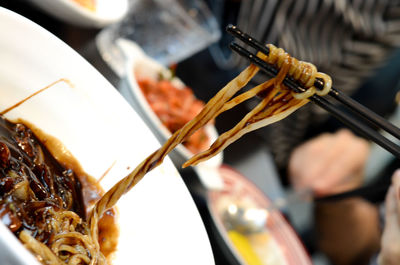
<point>356,42</point>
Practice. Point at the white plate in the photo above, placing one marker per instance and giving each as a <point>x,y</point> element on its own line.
<point>159,222</point>
<point>107,11</point>
<point>137,61</point>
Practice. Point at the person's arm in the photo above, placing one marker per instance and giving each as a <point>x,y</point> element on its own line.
<point>329,163</point>
<point>390,241</point>
<point>348,230</point>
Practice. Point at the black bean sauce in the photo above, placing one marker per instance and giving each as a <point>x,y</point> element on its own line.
<point>32,183</point>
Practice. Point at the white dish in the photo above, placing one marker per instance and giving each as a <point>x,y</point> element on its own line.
<point>106,12</point>
<point>141,64</point>
<point>159,222</point>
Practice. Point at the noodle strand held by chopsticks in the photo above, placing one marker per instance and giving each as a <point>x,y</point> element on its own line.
<point>277,103</point>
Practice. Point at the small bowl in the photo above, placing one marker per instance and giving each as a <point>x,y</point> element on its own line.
<point>141,64</point>
<point>105,13</point>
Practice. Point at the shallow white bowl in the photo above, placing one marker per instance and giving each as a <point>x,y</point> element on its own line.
<point>107,11</point>
<point>141,64</point>
<point>159,222</point>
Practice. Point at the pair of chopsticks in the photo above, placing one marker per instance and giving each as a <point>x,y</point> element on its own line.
<point>361,119</point>
<point>356,108</point>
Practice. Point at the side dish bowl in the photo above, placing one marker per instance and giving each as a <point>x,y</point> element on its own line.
<point>158,220</point>
<point>139,64</point>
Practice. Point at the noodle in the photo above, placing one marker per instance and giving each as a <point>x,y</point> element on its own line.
<point>42,252</point>
<point>74,241</point>
<point>67,245</point>
<point>277,103</point>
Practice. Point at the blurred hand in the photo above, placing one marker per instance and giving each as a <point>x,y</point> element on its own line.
<point>330,163</point>
<point>390,247</point>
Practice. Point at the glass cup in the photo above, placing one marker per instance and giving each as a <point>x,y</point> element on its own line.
<point>167,30</point>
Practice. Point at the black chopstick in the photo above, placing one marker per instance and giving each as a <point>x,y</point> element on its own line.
<point>357,126</point>
<point>236,32</point>
<point>351,104</point>
<point>365,112</point>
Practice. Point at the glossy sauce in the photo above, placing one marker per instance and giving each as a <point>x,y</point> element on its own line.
<point>85,189</point>
<point>91,190</point>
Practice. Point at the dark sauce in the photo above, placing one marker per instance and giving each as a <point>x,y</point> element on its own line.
<point>31,181</point>
<point>37,174</point>
<point>34,182</point>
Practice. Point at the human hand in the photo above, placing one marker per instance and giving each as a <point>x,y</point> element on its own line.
<point>329,163</point>
<point>390,247</point>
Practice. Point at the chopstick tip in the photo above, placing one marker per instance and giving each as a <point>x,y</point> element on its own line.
<point>230,27</point>
<point>233,30</point>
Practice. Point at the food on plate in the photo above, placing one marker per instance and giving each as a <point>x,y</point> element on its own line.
<point>89,4</point>
<point>266,247</point>
<point>244,248</point>
<point>60,233</point>
<point>257,248</point>
<point>45,204</point>
<point>175,105</point>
